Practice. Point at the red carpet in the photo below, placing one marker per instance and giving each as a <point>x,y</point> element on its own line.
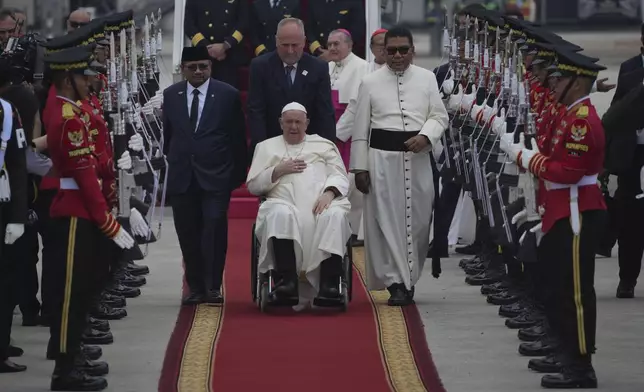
<point>371,347</point>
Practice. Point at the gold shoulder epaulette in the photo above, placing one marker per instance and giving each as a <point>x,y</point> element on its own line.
<point>582,112</point>
<point>68,111</point>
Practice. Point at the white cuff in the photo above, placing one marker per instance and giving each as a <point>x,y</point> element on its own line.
<point>526,156</point>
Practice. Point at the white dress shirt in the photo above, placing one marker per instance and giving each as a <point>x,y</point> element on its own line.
<point>203,91</point>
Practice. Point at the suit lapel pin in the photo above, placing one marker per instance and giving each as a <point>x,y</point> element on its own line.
<point>305,72</point>
<point>180,92</point>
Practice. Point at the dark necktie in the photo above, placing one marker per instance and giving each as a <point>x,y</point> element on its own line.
<point>289,79</point>
<point>194,110</point>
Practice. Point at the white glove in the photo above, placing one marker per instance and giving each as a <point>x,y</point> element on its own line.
<point>454,101</point>
<point>519,219</point>
<point>527,154</point>
<point>537,231</point>
<point>642,178</point>
<point>137,222</point>
<point>125,161</point>
<point>488,112</point>
<point>123,239</point>
<point>135,143</point>
<point>467,102</point>
<point>476,111</point>
<point>499,125</point>
<point>448,83</point>
<point>13,232</point>
<point>508,146</point>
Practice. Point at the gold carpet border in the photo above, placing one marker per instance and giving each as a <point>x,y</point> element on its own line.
<point>195,374</point>
<point>395,348</point>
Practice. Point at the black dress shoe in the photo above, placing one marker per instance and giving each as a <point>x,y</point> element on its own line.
<point>13,351</point>
<point>568,380</point>
<point>548,364</point>
<point>192,299</point>
<point>524,320</point>
<point>7,366</point>
<point>93,336</point>
<point>539,348</point>
<point>625,290</point>
<point>91,352</point>
<point>399,296</point>
<point>136,269</point>
<point>77,381</point>
<point>285,289</point>
<point>468,262</point>
<point>474,269</point>
<point>495,288</point>
<point>99,325</point>
<point>213,297</point>
<point>127,292</point>
<point>533,333</point>
<point>104,312</point>
<point>92,368</point>
<point>514,310</point>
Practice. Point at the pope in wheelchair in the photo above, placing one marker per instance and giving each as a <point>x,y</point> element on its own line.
<point>302,226</point>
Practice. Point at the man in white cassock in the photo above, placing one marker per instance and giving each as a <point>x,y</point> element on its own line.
<point>399,118</point>
<point>344,126</point>
<point>346,71</point>
<point>302,227</point>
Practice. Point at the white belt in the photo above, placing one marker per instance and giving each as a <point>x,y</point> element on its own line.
<point>68,184</point>
<point>574,198</point>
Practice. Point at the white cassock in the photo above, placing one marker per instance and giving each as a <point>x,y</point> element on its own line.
<point>346,76</point>
<point>287,212</point>
<point>398,208</point>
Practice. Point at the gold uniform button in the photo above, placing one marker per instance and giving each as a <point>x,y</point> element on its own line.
<point>338,22</point>
<point>207,12</point>
<point>225,24</point>
<point>226,11</point>
<point>212,38</point>
<point>210,25</point>
<point>321,34</point>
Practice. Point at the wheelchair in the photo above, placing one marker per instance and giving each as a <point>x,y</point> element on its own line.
<point>262,284</point>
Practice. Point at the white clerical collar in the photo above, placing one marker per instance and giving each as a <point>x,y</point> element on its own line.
<point>398,73</point>
<point>203,88</point>
<point>577,101</point>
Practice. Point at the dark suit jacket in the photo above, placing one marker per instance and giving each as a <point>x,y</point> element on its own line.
<point>269,93</point>
<point>628,66</point>
<point>216,154</point>
<point>264,20</point>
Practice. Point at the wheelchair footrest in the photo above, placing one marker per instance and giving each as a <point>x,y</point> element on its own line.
<point>328,302</point>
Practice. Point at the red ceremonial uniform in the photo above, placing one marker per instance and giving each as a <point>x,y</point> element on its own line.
<point>68,140</point>
<point>573,151</point>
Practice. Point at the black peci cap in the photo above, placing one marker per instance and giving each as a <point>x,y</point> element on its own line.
<point>576,64</point>
<point>75,60</point>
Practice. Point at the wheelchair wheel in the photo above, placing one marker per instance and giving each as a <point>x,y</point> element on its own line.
<point>263,297</point>
<point>348,272</point>
<point>346,295</point>
<point>254,256</point>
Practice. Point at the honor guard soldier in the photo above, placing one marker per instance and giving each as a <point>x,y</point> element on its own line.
<point>568,164</point>
<point>13,217</point>
<point>324,16</point>
<point>264,17</point>
<point>79,216</point>
<point>220,25</point>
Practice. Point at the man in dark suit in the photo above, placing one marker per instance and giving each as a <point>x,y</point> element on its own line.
<point>205,144</point>
<point>625,158</point>
<point>220,26</point>
<point>264,17</point>
<point>289,75</point>
<point>324,16</point>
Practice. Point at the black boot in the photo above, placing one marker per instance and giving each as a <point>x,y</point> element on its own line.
<point>533,333</point>
<point>578,373</point>
<point>91,352</point>
<point>539,348</point>
<point>68,377</point>
<point>92,368</point>
<point>104,312</point>
<point>548,364</point>
<point>92,336</point>
<point>504,298</point>
<point>129,280</point>
<point>113,300</point>
<point>136,269</point>
<point>99,325</point>
<point>330,272</point>
<point>127,292</point>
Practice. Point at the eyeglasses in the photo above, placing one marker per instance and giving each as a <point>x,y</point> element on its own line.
<point>76,25</point>
<point>200,67</point>
<point>403,50</point>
